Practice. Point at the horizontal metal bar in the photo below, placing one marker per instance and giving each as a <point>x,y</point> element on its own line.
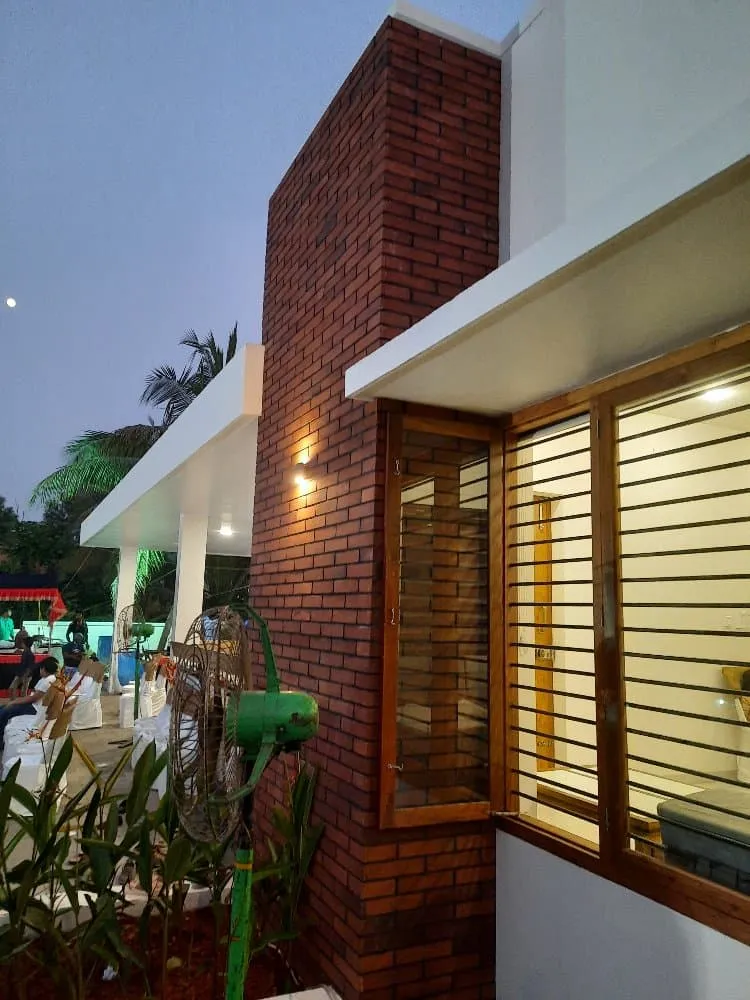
<point>560,649</point>
<point>684,742</point>
<point>549,562</point>
<point>561,457</point>
<point>689,422</point>
<point>711,778</point>
<point>685,659</point>
<point>676,713</point>
<point>552,478</point>
<point>563,694</point>
<point>681,685</point>
<point>717,633</point>
<point>661,553</point>
<point>682,579</point>
<point>685,604</point>
<point>697,497</point>
<point>558,739</point>
<point>556,715</point>
<point>695,446</point>
<point>549,520</point>
<point>552,583</point>
<point>533,438</point>
<point>561,496</point>
<point>705,470</point>
<point>564,764</point>
<point>556,625</point>
<point>674,796</point>
<point>684,526</point>
<point>546,541</point>
<point>557,808</point>
<point>562,604</point>
<point>553,670</point>
<point>592,796</point>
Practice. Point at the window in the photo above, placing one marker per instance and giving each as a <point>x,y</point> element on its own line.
<point>683,492</point>
<point>627,646</point>
<point>435,740</point>
<point>550,665</point>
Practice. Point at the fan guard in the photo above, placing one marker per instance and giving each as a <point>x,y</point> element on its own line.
<point>205,762</point>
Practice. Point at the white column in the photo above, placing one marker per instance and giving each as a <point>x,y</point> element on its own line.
<point>191,569</point>
<point>125,596</point>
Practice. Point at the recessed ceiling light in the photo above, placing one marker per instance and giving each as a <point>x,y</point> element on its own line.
<point>717,395</point>
<point>10,303</point>
<point>226,529</point>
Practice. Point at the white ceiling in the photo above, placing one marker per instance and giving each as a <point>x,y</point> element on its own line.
<point>596,296</point>
<point>203,466</point>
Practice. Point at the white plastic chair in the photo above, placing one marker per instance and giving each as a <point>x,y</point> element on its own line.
<point>88,710</point>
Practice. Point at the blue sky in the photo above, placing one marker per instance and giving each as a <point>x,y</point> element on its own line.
<point>140,144</point>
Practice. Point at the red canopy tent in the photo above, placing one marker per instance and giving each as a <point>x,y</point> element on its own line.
<point>33,587</point>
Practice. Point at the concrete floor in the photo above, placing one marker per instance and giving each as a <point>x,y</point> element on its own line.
<point>104,746</point>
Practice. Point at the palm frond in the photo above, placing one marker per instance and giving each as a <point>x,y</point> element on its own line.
<point>148,564</point>
<point>232,344</point>
<point>95,463</point>
<point>173,392</point>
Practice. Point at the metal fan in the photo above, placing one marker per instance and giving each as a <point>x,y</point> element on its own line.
<point>131,631</point>
<point>223,736</point>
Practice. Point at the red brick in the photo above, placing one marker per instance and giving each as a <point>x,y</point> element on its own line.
<point>389,210</point>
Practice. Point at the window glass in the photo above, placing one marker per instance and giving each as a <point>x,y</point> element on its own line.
<point>683,499</point>
<point>551,660</point>
<point>442,715</point>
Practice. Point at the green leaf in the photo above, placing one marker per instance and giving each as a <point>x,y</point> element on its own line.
<point>178,860</point>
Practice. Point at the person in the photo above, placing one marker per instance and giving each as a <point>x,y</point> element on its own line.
<point>21,636</point>
<point>78,627</point>
<point>7,628</point>
<point>22,680</point>
<point>31,704</point>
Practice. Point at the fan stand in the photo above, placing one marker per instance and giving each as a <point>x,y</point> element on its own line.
<point>137,677</point>
<point>241,919</point>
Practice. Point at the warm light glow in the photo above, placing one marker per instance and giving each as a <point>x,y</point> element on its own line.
<point>304,457</point>
<point>226,529</point>
<point>303,484</point>
<point>10,303</point>
<point>717,395</point>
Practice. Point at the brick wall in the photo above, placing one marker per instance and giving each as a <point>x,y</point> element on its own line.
<point>389,210</point>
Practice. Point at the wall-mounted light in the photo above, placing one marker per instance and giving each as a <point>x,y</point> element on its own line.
<point>226,529</point>
<point>301,473</point>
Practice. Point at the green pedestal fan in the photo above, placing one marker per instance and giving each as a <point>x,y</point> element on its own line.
<point>223,736</point>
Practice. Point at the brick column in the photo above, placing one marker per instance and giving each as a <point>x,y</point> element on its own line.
<point>389,210</point>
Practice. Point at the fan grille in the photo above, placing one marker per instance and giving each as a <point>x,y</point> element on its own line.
<point>205,762</point>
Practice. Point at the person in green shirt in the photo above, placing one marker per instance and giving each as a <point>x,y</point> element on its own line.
<point>7,628</point>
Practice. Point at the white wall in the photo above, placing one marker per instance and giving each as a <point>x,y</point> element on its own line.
<point>603,89</point>
<point>564,934</point>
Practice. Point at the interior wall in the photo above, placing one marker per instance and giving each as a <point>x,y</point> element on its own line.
<point>565,933</point>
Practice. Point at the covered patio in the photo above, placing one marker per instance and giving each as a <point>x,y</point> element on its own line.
<point>192,493</point>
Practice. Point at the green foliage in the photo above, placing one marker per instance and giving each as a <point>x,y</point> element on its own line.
<point>173,392</point>
<point>291,850</point>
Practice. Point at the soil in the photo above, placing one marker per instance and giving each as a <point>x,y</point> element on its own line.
<point>197,970</point>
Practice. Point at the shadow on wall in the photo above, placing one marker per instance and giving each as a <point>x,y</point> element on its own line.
<point>563,933</point>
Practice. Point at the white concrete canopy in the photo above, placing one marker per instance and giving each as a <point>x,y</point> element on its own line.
<point>202,468</point>
<point>663,264</point>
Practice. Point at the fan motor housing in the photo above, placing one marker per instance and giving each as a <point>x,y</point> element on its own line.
<point>285,718</point>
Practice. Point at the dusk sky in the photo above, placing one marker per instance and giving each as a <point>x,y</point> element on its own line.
<point>139,145</point>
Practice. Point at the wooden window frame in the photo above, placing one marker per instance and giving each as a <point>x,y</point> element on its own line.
<point>713,905</point>
<point>389,815</point>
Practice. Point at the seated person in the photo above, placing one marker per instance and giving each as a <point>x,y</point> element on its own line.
<point>31,704</point>
<point>73,651</point>
<point>7,629</point>
<point>21,636</point>
<point>22,679</point>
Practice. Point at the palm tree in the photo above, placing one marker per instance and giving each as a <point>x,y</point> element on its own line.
<point>97,461</point>
<point>173,392</point>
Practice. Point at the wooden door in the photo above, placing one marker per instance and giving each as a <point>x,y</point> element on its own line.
<point>543,652</point>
